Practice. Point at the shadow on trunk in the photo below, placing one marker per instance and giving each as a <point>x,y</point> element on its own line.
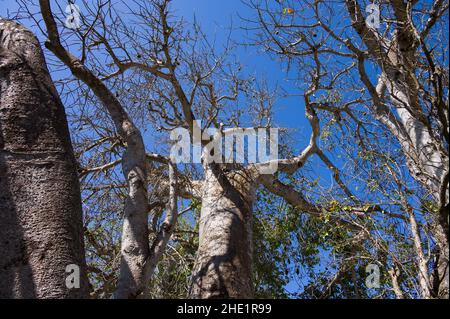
<point>224,260</point>
<point>41,228</point>
<point>17,276</point>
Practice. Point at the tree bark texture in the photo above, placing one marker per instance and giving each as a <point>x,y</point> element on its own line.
<point>41,230</point>
<point>223,267</point>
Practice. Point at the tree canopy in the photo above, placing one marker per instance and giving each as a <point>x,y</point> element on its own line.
<point>357,206</point>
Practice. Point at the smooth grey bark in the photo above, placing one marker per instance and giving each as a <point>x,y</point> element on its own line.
<point>41,230</point>
<point>223,267</point>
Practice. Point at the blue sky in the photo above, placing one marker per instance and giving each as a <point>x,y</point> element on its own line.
<point>217,17</point>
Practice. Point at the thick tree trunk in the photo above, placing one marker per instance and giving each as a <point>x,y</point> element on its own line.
<point>41,230</point>
<point>223,268</point>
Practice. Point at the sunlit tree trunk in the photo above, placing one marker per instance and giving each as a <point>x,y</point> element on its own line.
<point>41,230</point>
<point>223,268</point>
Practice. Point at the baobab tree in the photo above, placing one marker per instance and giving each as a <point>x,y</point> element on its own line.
<point>41,232</point>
